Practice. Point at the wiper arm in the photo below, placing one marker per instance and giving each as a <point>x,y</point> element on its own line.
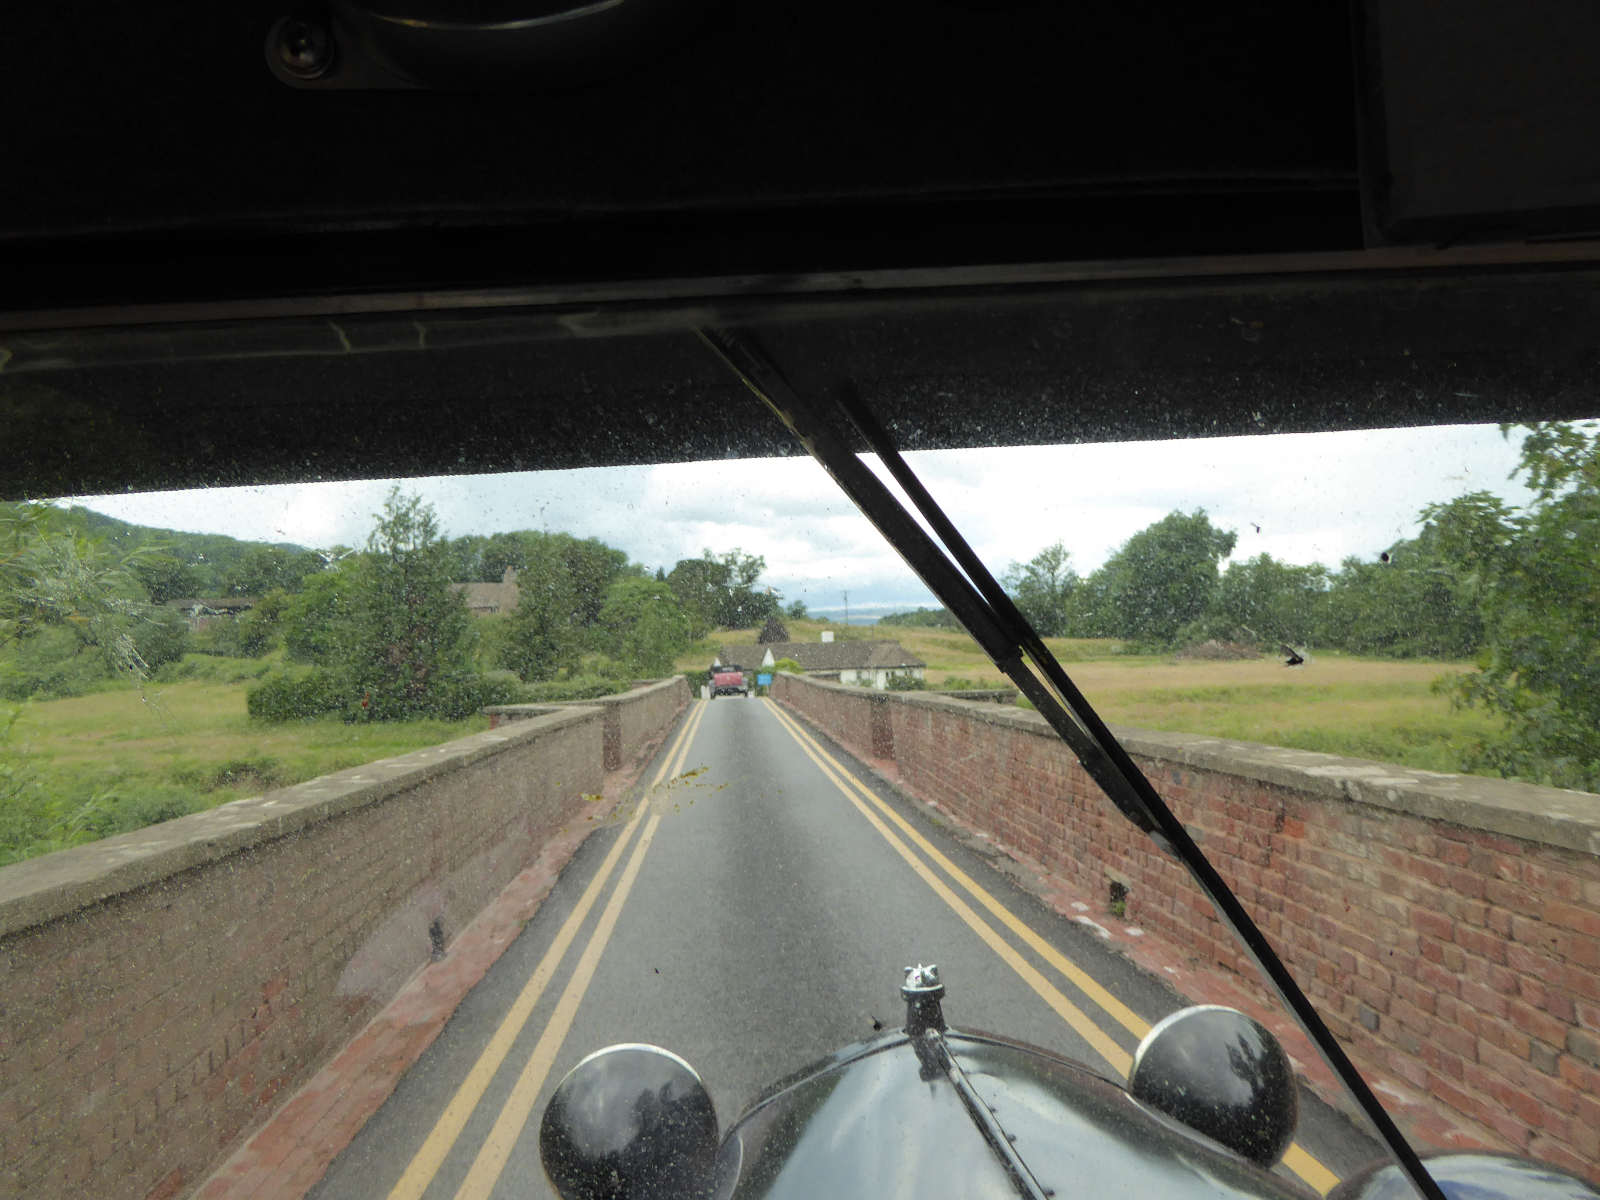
<point>1001,630</point>
<point>972,594</point>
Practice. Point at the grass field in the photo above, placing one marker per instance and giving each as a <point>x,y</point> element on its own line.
<point>1366,708</point>
<point>120,759</point>
<point>125,757</point>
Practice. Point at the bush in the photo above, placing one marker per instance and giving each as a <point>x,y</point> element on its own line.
<point>255,632</point>
<point>557,690</point>
<point>213,667</point>
<point>451,697</point>
<point>122,811</point>
<point>501,687</point>
<point>904,682</point>
<point>494,642</point>
<point>173,672</point>
<point>697,680</point>
<point>34,822</point>
<point>259,773</point>
<point>297,695</point>
<point>604,666</point>
<point>24,804</point>
<point>53,664</point>
<point>161,637</point>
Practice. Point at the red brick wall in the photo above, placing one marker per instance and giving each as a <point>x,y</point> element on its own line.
<point>1461,960</point>
<point>142,1034</point>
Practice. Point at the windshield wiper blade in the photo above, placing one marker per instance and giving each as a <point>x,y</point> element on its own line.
<point>974,597</point>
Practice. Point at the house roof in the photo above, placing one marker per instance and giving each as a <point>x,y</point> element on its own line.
<point>216,604</point>
<point>491,597</point>
<point>825,656</point>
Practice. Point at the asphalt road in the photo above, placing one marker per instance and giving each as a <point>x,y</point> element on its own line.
<point>751,910</point>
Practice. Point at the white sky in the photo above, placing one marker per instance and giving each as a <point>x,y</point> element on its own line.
<point>1316,497</point>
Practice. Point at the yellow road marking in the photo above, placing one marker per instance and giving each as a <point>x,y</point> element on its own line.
<point>1074,974</point>
<point>1064,1008</point>
<point>442,1137</point>
<point>513,1119</point>
<point>690,727</point>
<point>1296,1158</point>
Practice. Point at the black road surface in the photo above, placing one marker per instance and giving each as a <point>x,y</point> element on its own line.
<point>766,925</point>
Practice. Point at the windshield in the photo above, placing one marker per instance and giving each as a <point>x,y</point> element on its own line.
<point>352,815</point>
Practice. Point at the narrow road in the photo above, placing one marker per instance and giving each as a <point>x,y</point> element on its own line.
<point>751,908</point>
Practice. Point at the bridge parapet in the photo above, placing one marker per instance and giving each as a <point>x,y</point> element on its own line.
<point>1447,926</point>
<point>633,719</point>
<point>164,990</point>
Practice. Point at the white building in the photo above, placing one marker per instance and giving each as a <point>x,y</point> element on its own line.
<point>862,663</point>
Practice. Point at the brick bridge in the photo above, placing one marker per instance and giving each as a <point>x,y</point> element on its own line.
<point>165,991</point>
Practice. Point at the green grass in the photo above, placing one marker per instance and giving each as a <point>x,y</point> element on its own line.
<point>1380,709</point>
<point>121,759</point>
<point>124,757</point>
<point>218,669</point>
<point>1356,708</point>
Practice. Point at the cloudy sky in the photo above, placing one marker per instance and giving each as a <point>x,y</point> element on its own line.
<point>1315,497</point>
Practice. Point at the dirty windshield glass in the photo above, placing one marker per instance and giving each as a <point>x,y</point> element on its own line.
<point>341,820</point>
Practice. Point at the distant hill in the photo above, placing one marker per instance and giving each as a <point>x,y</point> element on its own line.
<point>193,544</point>
<point>836,616</point>
<point>922,618</point>
<point>199,564</point>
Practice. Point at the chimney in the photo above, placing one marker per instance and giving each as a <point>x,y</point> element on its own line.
<point>827,635</point>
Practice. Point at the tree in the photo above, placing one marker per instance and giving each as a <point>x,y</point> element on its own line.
<point>255,631</point>
<point>166,577</point>
<point>698,584</point>
<point>646,625</point>
<point>592,567</point>
<point>772,631</point>
<point>722,590</point>
<point>1421,599</point>
<point>409,643</point>
<point>542,633</point>
<point>1268,602</point>
<point>261,569</point>
<point>1091,610</point>
<point>1538,581</point>
<point>315,622</point>
<point>55,577</point>
<point>922,618</point>
<point>160,635</point>
<point>1040,587</point>
<point>1163,577</point>
<point>796,610</point>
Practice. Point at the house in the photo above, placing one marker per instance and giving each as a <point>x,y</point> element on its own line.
<point>201,611</point>
<point>488,599</point>
<point>868,664</point>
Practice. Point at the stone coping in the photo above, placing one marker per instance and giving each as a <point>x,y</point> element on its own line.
<point>41,889</point>
<point>519,712</point>
<point>641,689</point>
<point>1549,816</point>
<point>989,695</point>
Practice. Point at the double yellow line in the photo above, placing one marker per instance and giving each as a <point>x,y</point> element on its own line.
<point>496,1149</point>
<point>880,816</point>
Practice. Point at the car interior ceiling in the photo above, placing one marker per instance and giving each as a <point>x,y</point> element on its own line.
<point>1001,224</point>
